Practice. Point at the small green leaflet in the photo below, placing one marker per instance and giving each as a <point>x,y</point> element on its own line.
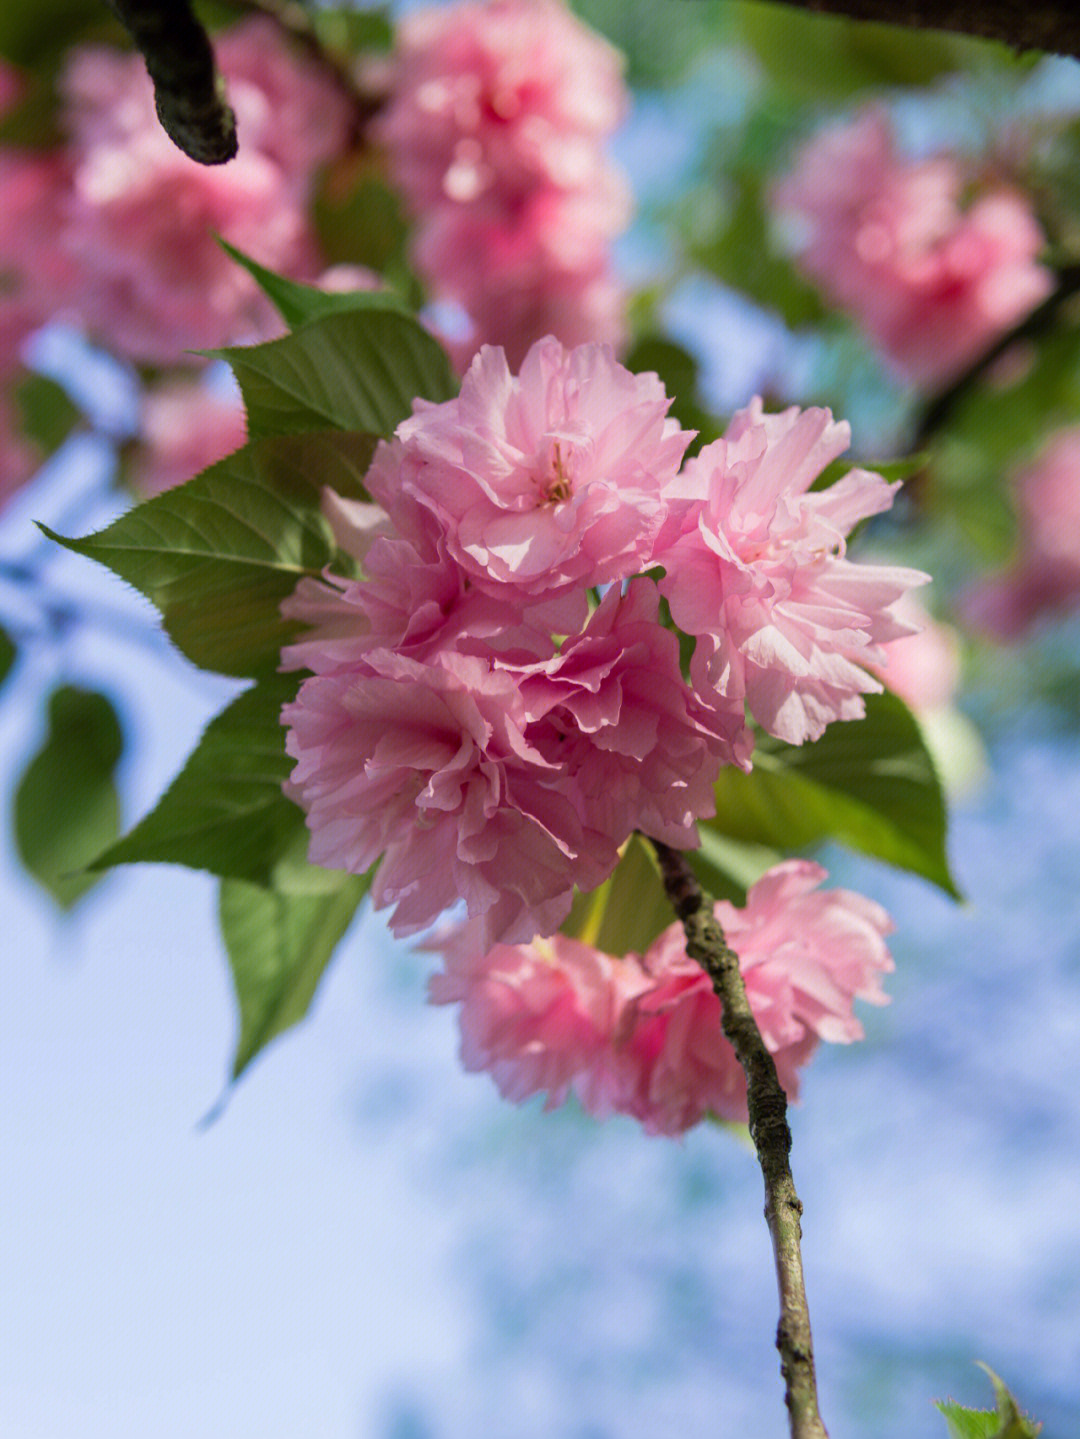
<point>359,369</point>
<point>219,554</point>
<point>1006,1422</point>
<point>225,811</point>
<point>66,806</point>
<point>279,945</point>
<point>870,784</point>
<point>297,304</point>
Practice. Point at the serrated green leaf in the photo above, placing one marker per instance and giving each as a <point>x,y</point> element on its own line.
<point>219,554</point>
<point>1006,1422</point>
<point>225,811</point>
<point>7,654</point>
<point>360,370</point>
<point>279,946</point>
<point>869,784</point>
<point>66,806</point>
<point>297,304</point>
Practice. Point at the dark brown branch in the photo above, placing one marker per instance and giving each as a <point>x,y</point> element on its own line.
<point>1052,25</point>
<point>189,94</point>
<point>769,1130</point>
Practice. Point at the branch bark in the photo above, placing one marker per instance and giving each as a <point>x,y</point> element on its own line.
<point>769,1130</point>
<point>1052,25</point>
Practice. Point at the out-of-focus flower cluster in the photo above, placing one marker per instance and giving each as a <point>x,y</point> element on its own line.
<point>1045,577</point>
<point>495,130</point>
<point>932,278</point>
<point>498,703</point>
<point>641,1035</point>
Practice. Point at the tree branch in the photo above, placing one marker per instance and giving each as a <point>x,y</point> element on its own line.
<point>1052,25</point>
<point>769,1130</point>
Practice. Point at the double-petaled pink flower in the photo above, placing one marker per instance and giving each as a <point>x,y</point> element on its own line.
<point>642,1035</point>
<point>932,281</point>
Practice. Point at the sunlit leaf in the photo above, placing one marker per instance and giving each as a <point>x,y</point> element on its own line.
<point>279,946</point>
<point>869,784</point>
<point>219,554</point>
<point>359,370</point>
<point>1006,1422</point>
<point>225,811</point>
<point>66,806</point>
<point>629,910</point>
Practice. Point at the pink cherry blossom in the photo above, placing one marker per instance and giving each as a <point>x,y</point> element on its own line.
<point>495,132</point>
<point>887,239</point>
<point>184,428</point>
<point>1045,578</point>
<point>538,1017</point>
<point>429,766</point>
<point>755,565</point>
<point>141,218</point>
<point>923,668</point>
<point>36,277</point>
<point>805,956</point>
<point>549,482</point>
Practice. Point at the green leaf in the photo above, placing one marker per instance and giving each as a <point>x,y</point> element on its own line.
<point>297,304</point>
<point>8,653</point>
<point>225,811</point>
<point>219,554</point>
<point>279,946</point>
<point>870,784</point>
<point>661,42</point>
<point>728,867</point>
<point>346,32</point>
<point>626,912</point>
<point>46,414</point>
<point>359,219</point>
<point>66,806</point>
<point>360,370</point>
<point>37,34</point>
<point>1006,1422</point>
<point>678,370</point>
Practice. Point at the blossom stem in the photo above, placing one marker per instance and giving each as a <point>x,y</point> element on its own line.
<point>769,1130</point>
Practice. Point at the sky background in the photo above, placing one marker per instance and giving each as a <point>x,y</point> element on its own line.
<point>370,1243</point>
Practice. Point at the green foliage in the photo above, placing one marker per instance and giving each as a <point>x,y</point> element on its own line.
<point>66,806</point>
<point>279,945</point>
<point>626,912</point>
<point>8,654</point>
<point>46,414</point>
<point>1005,1422</point>
<point>359,220</point>
<point>661,42</point>
<point>870,784</point>
<point>819,58</point>
<point>219,554</point>
<point>37,35</point>
<point>348,32</point>
<point>298,303</point>
<point>358,370</point>
<point>225,811</point>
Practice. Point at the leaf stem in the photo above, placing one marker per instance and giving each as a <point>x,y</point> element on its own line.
<point>767,1102</point>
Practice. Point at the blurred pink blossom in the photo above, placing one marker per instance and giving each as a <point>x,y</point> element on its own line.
<point>922,668</point>
<point>141,217</point>
<point>642,1035</point>
<point>184,428</point>
<point>933,282</point>
<point>495,132</point>
<point>1045,578</point>
<point>755,564</point>
<point>36,276</point>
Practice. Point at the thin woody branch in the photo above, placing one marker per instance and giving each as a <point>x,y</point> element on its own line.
<point>769,1130</point>
<point>1052,25</point>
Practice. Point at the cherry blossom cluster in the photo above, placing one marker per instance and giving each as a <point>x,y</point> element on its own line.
<point>499,702</point>
<point>495,130</point>
<point>1044,579</point>
<point>641,1035</point>
<point>933,279</point>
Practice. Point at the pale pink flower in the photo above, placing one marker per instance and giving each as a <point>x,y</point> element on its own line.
<point>549,482</point>
<point>922,668</point>
<point>755,565</point>
<point>887,239</point>
<point>497,100</point>
<point>805,956</point>
<point>429,766</point>
<point>1045,579</point>
<point>540,1018</point>
<point>142,218</point>
<point>184,428</point>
